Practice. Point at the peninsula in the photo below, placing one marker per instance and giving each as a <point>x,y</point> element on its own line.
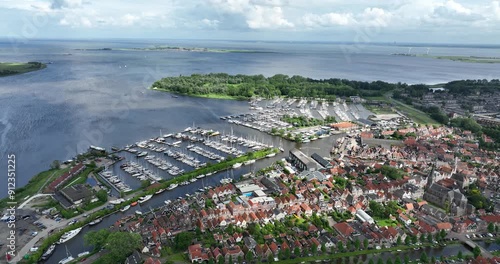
<point>13,68</point>
<point>460,58</point>
<point>176,48</point>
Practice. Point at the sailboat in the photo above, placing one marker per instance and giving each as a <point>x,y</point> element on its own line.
<point>281,146</point>
<point>68,257</point>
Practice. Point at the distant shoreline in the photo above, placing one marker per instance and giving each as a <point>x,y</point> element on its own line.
<point>468,59</point>
<point>15,68</point>
<point>182,49</point>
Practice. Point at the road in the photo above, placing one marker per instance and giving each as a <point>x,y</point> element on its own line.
<point>44,233</point>
<point>464,239</point>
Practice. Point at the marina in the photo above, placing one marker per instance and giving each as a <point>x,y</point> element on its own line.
<point>171,155</point>
<point>268,115</point>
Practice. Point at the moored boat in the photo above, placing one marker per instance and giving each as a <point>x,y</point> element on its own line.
<point>145,198</point>
<point>48,252</point>
<point>172,186</point>
<point>95,222</point>
<point>270,155</point>
<point>125,208</point>
<point>69,235</point>
<point>237,165</point>
<point>159,191</point>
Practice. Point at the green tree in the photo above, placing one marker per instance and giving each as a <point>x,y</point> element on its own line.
<point>221,260</point>
<point>314,250</point>
<point>407,240</point>
<point>429,238</point>
<point>270,259</point>
<point>357,244</point>
<point>323,248</point>
<point>423,257</point>
<point>371,261</point>
<point>407,259</point>
<point>388,261</point>
<point>96,238</point>
<point>102,195</point>
<point>249,256</point>
<point>122,244</point>
<point>240,259</point>
<point>398,241</point>
<point>380,261</point>
<point>145,184</point>
<point>442,234</point>
<point>433,259</point>
<point>287,253</point>
<point>460,255</point>
<point>476,251</point>
<point>183,240</point>
<point>340,246</point>
<point>296,252</point>
<point>491,228</point>
<point>365,243</point>
<point>397,260</point>
<point>348,245</point>
<point>414,239</point>
<point>55,165</point>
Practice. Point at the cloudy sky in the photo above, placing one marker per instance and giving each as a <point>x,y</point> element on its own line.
<point>428,21</point>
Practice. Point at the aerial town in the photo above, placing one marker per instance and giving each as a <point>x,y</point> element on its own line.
<point>389,191</point>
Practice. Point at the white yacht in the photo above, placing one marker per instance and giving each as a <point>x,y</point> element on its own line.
<point>69,235</point>
<point>145,198</point>
<point>125,208</point>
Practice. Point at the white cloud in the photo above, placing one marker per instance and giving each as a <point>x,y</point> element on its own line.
<point>210,23</point>
<point>495,7</point>
<point>375,17</point>
<point>369,17</point>
<point>327,20</point>
<point>264,16</point>
<point>58,4</point>
<point>76,21</point>
<point>129,19</point>
<point>261,17</point>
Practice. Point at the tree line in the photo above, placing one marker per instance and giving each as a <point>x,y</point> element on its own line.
<point>247,86</point>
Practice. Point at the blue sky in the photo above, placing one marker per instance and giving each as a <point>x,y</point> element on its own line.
<point>428,21</point>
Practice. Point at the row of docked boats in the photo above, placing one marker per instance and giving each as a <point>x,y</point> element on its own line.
<point>184,158</point>
<point>115,181</point>
<point>159,163</point>
<point>139,172</point>
<point>205,153</point>
<point>223,147</point>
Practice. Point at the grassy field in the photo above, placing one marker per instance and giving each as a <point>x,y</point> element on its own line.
<point>379,110</point>
<point>415,114</point>
<point>80,179</point>
<point>385,222</point>
<point>35,185</point>
<point>11,68</point>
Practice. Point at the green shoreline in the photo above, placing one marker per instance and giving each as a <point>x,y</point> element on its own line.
<point>208,96</point>
<point>459,58</point>
<point>15,68</point>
